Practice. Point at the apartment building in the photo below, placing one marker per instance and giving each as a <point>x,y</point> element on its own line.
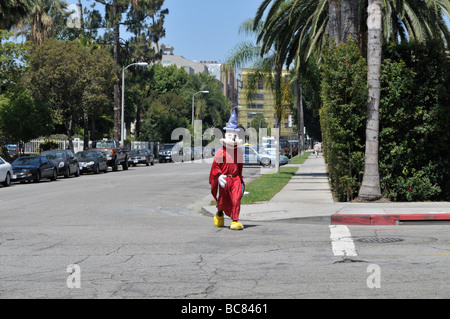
<point>261,104</point>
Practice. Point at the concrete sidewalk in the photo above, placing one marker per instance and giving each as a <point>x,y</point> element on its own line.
<point>308,197</point>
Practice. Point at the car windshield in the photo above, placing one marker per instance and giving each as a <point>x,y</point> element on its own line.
<point>55,155</point>
<point>86,154</point>
<point>34,161</point>
<point>100,144</point>
<point>168,146</point>
<point>137,152</point>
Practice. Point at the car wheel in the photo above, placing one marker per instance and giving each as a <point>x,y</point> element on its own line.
<point>37,179</point>
<point>115,168</point>
<point>54,176</point>
<point>265,162</point>
<point>125,164</point>
<point>7,181</point>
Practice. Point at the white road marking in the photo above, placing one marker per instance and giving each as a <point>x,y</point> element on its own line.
<point>341,241</point>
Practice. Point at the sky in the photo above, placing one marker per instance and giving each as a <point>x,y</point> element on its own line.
<point>203,30</point>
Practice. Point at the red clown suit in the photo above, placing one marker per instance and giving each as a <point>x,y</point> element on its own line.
<point>226,177</point>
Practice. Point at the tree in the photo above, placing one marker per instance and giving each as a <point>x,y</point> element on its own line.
<point>370,187</point>
<point>23,118</point>
<point>12,11</point>
<point>39,24</point>
<point>69,77</point>
<point>421,19</point>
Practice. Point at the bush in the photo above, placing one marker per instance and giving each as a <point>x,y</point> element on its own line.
<point>414,115</point>
<point>343,117</point>
<point>48,145</point>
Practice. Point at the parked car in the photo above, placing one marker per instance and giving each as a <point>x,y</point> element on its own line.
<point>92,161</point>
<point>13,149</point>
<point>266,159</point>
<point>34,168</point>
<point>6,172</point>
<point>165,153</point>
<point>66,160</point>
<point>141,156</point>
<point>115,153</point>
<point>294,145</point>
<point>174,153</point>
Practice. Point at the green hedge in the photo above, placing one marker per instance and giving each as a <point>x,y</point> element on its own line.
<point>414,155</point>
<point>343,117</point>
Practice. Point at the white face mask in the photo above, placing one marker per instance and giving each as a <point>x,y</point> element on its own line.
<point>231,139</point>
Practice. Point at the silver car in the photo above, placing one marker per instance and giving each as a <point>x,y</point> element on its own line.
<point>266,159</point>
<point>6,172</point>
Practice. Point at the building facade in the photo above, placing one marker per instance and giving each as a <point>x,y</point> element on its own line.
<point>262,104</point>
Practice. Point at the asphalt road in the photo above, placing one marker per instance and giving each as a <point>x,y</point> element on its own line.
<point>139,234</point>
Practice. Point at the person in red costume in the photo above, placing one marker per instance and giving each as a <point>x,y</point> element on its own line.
<point>226,177</point>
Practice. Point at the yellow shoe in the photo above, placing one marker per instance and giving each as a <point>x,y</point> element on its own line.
<point>218,220</point>
<point>236,226</point>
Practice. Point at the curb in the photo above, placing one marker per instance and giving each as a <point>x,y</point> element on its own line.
<point>386,219</point>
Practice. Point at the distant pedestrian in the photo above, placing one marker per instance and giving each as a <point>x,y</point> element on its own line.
<point>316,149</point>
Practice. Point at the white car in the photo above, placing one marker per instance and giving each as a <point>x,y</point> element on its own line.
<point>6,172</point>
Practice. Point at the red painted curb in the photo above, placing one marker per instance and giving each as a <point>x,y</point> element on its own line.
<point>384,219</point>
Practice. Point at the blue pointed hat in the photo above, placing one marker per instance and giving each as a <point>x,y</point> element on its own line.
<point>232,122</point>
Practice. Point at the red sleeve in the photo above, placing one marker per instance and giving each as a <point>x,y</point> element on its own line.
<point>213,175</point>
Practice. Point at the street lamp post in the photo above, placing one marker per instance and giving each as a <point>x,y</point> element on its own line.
<point>122,130</point>
<point>193,104</point>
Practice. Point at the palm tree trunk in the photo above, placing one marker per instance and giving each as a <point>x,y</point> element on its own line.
<point>300,117</point>
<point>278,106</point>
<point>370,187</point>
<point>349,20</point>
<point>334,20</point>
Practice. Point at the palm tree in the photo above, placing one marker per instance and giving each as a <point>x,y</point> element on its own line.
<point>420,27</point>
<point>39,24</point>
<point>12,11</point>
<point>370,188</point>
<point>267,67</point>
<point>309,21</point>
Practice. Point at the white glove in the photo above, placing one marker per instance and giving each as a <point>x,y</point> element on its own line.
<point>222,181</point>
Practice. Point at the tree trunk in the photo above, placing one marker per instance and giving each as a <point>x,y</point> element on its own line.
<point>117,114</point>
<point>86,130</point>
<point>278,107</point>
<point>300,117</point>
<point>349,20</point>
<point>370,187</point>
<point>334,21</point>
<point>92,128</point>
<point>69,132</point>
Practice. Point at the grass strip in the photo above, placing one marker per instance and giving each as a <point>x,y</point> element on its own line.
<point>301,159</point>
<point>266,186</point>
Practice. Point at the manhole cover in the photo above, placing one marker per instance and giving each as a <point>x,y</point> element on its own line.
<point>381,240</point>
